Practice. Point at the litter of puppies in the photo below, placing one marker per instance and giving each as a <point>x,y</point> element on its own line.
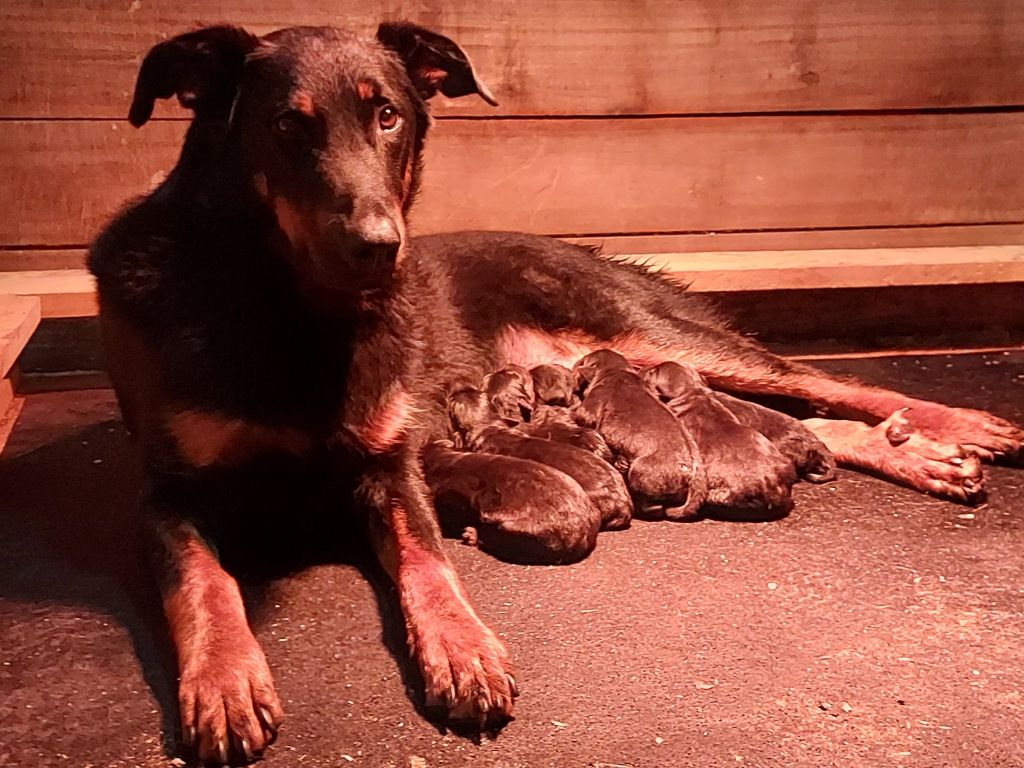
<point>570,452</point>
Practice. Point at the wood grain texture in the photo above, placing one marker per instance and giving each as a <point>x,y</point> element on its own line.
<point>70,292</point>
<point>17,260</point>
<point>78,58</point>
<point>589,177</point>
<point>19,318</point>
<point>61,293</point>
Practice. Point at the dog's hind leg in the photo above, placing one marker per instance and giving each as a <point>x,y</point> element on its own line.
<point>731,362</point>
<point>228,707</point>
<point>895,451</point>
<point>465,667</point>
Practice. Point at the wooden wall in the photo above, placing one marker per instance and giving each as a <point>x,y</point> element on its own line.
<point>660,125</point>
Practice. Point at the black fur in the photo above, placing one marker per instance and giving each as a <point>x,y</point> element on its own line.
<point>481,429</point>
<point>663,467</point>
<point>747,476</point>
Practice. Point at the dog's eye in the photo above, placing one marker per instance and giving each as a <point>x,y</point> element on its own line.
<point>388,118</point>
<point>288,124</point>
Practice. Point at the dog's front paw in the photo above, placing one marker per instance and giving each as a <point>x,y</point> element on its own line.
<point>466,669</point>
<point>987,436</point>
<point>229,709</point>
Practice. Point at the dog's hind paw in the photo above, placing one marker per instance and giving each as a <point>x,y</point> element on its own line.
<point>987,436</point>
<point>944,469</point>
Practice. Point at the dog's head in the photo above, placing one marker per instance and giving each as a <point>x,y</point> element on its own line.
<point>589,367</point>
<point>328,128</point>
<point>670,380</point>
<point>471,412</point>
<point>552,385</point>
<point>511,393</point>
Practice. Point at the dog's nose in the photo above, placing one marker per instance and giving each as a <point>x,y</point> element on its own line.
<point>378,239</point>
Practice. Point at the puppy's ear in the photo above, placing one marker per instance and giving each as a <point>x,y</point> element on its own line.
<point>202,68</point>
<point>434,62</point>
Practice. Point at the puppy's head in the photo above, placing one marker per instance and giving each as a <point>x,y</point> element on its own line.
<point>588,367</point>
<point>552,385</point>
<point>471,411</point>
<point>670,380</point>
<point>328,127</point>
<point>511,393</point>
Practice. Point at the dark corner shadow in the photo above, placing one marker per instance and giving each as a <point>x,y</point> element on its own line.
<point>69,536</point>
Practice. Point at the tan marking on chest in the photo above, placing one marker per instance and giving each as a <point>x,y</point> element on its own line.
<point>386,424</point>
<point>206,439</point>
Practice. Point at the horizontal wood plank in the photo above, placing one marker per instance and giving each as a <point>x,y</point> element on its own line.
<point>19,318</point>
<point>786,240</point>
<point>868,267</point>
<point>78,59</point>
<point>70,292</point>
<point>16,260</point>
<point>584,177</point>
<point>62,293</point>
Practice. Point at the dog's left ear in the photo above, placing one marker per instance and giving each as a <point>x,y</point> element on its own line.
<point>434,62</point>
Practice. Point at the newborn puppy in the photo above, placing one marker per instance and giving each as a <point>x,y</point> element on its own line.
<point>746,473</point>
<point>553,387</point>
<point>480,429</point>
<point>514,509</point>
<point>663,467</point>
<point>811,459</point>
<point>511,392</point>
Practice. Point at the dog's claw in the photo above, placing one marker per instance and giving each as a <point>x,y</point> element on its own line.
<point>188,736</point>
<point>222,751</point>
<point>513,687</point>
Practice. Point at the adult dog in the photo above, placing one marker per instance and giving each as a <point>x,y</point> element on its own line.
<point>265,314</point>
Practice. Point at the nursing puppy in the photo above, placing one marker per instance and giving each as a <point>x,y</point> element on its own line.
<point>662,463</point>
<point>481,429</point>
<point>553,387</point>
<point>747,475</point>
<point>510,391</point>
<point>515,509</point>
<point>811,459</point>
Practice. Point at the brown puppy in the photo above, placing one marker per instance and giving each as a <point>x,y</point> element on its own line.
<point>811,459</point>
<point>747,476</point>
<point>511,393</point>
<point>664,467</point>
<point>553,387</point>
<point>481,429</point>
<point>518,510</point>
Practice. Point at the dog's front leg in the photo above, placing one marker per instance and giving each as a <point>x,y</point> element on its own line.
<point>228,707</point>
<point>465,667</point>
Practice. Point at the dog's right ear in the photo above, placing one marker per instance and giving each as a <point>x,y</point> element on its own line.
<point>202,68</point>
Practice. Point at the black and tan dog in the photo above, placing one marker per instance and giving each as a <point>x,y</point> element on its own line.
<point>265,309</point>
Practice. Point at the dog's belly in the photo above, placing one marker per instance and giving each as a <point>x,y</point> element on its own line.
<point>531,346</point>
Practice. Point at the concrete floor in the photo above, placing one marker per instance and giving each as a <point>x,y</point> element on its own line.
<point>873,627</point>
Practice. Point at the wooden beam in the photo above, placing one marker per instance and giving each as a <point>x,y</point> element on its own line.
<point>16,260</point>
<point>19,318</point>
<point>60,293</point>
<point>65,58</point>
<point>579,177</point>
<point>863,268</point>
<point>70,293</point>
